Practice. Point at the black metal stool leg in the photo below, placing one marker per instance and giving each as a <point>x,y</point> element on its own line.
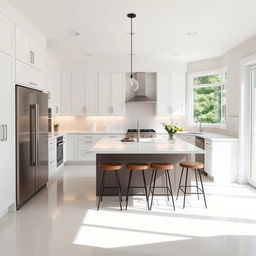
<point>170,185</point>
<point>145,186</point>
<point>166,183</point>
<point>197,185</point>
<point>119,189</point>
<point>101,189</point>
<point>185,188</point>
<point>128,189</point>
<point>154,183</point>
<point>151,181</point>
<point>180,182</point>
<point>202,187</point>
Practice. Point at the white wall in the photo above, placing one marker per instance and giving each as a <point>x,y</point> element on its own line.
<point>232,62</point>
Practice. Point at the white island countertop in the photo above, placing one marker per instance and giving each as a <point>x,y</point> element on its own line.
<point>155,146</point>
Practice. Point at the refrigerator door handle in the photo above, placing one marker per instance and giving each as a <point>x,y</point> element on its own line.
<point>33,135</point>
<point>37,134</point>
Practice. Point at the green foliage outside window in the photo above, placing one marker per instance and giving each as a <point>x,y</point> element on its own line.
<point>209,101</point>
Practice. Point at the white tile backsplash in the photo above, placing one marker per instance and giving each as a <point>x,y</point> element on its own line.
<point>144,112</point>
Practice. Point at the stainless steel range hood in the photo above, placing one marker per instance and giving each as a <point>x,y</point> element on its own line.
<point>140,95</point>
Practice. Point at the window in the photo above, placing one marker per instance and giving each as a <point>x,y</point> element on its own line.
<point>208,98</point>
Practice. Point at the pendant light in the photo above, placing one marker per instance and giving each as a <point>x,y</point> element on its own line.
<point>134,84</point>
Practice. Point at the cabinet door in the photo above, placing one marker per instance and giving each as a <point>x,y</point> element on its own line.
<point>36,54</point>
<point>91,94</point>
<point>7,135</point>
<point>54,88</point>
<point>105,94</point>
<point>177,93</point>
<point>208,157</point>
<point>28,76</point>
<point>78,91</point>
<point>6,36</point>
<point>71,148</point>
<point>118,94</point>
<point>163,94</point>
<point>22,46</point>
<point>65,94</point>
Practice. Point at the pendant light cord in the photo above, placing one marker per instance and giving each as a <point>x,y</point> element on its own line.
<point>131,50</point>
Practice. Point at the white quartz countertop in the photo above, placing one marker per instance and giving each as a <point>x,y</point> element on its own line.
<point>57,134</point>
<point>155,146</point>
<point>209,136</point>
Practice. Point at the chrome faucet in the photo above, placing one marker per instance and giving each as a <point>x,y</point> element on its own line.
<point>200,127</point>
<point>138,133</point>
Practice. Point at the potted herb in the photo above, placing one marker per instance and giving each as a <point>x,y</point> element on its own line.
<point>171,130</point>
<point>56,127</point>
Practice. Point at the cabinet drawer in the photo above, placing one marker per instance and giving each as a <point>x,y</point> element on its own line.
<point>84,155</point>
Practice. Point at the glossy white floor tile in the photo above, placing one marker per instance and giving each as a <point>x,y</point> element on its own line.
<point>63,220</point>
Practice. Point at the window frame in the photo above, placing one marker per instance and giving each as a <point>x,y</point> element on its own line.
<point>190,96</point>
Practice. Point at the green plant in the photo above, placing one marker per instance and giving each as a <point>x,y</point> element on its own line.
<point>171,128</point>
<point>56,125</point>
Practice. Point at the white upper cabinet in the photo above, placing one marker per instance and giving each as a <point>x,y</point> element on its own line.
<point>178,93</point>
<point>65,94</point>
<point>105,107</point>
<point>53,87</point>
<point>170,94</point>
<point>163,93</point>
<point>118,93</point>
<point>111,94</point>
<point>78,94</point>
<point>91,94</point>
<point>6,36</point>
<point>28,76</point>
<point>28,50</point>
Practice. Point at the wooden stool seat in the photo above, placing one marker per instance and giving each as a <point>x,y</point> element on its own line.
<point>162,166</point>
<point>137,166</point>
<point>192,165</point>
<point>111,166</point>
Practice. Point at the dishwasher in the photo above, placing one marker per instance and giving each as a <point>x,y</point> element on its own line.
<point>199,142</point>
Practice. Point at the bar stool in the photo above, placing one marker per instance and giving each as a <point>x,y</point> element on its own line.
<point>196,166</point>
<point>108,167</point>
<point>137,167</point>
<point>165,167</point>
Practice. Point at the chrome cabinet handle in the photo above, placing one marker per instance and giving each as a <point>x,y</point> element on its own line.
<point>32,57</point>
<point>6,132</point>
<point>111,110</point>
<point>33,83</point>
<point>84,109</point>
<point>2,132</point>
<point>57,109</point>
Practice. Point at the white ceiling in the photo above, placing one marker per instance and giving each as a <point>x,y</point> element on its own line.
<point>161,28</point>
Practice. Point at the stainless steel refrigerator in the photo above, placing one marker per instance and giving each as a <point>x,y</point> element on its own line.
<point>31,143</point>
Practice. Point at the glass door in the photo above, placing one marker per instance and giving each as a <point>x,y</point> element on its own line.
<point>253,126</point>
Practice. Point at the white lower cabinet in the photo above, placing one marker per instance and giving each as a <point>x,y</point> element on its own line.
<point>71,147</point>
<point>221,161</point>
<point>52,156</point>
<point>79,145</point>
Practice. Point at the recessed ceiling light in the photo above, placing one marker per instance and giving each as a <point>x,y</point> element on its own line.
<point>175,54</point>
<point>88,54</point>
<point>192,33</point>
<point>74,33</point>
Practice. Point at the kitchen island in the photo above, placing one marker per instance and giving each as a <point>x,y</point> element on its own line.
<point>112,150</point>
